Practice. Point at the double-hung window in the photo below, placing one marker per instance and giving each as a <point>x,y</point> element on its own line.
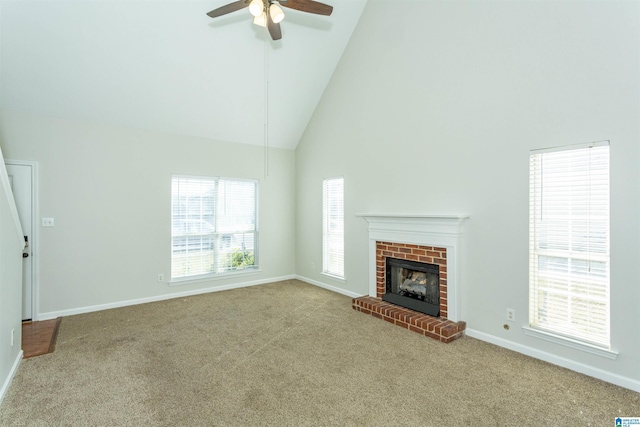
<point>569,242</point>
<point>214,227</point>
<point>333,227</point>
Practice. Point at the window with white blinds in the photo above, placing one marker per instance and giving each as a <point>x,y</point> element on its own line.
<point>213,226</point>
<point>333,227</point>
<point>569,242</point>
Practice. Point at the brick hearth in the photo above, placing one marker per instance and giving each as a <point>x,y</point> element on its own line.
<point>434,327</point>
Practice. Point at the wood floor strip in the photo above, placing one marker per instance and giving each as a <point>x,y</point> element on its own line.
<point>39,338</point>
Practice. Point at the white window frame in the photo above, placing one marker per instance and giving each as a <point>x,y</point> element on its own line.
<point>333,228</point>
<point>569,223</point>
<point>214,231</point>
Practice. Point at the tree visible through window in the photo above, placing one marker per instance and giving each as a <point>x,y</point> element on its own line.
<point>333,227</point>
<point>213,225</point>
<point>569,242</point>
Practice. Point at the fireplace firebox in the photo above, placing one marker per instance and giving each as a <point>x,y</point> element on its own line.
<point>414,285</point>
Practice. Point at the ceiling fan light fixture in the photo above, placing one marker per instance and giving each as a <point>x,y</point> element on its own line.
<point>269,14</point>
<point>261,20</point>
<point>256,7</point>
<point>277,15</point>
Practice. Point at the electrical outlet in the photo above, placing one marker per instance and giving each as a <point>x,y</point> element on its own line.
<point>12,331</point>
<point>160,277</point>
<point>313,265</point>
<point>511,314</point>
<point>47,222</point>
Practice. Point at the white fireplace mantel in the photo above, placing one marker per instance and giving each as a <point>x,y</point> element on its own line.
<point>426,230</point>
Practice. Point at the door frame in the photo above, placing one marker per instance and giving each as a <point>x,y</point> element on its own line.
<point>34,243</point>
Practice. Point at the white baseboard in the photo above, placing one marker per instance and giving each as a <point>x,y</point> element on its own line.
<point>12,373</point>
<point>100,307</point>
<point>600,374</point>
<point>328,287</point>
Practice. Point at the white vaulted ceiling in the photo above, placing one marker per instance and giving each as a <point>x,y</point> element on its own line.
<point>166,66</point>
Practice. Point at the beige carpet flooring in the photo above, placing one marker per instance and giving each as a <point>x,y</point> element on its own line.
<point>289,354</point>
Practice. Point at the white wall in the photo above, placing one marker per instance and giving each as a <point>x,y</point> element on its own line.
<point>10,283</point>
<point>434,108</point>
<point>108,190</point>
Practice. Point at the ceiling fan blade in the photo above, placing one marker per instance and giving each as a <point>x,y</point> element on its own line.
<point>309,6</point>
<point>228,8</point>
<point>274,29</point>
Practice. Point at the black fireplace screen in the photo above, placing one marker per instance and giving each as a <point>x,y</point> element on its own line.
<point>414,285</point>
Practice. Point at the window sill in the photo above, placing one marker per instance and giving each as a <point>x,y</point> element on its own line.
<point>568,342</point>
<point>209,277</point>
<point>334,277</point>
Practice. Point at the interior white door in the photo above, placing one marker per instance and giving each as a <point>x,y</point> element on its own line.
<point>21,177</point>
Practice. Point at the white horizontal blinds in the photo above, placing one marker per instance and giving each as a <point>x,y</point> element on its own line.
<point>214,226</point>
<point>569,242</point>
<point>333,227</point>
<point>192,226</point>
<point>236,224</point>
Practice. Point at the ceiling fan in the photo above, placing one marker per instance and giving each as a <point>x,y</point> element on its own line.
<point>269,14</point>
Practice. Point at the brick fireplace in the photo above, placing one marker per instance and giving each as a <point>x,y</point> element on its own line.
<point>435,240</point>
<point>404,251</point>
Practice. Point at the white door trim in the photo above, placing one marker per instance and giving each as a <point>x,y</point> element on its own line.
<point>34,244</point>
